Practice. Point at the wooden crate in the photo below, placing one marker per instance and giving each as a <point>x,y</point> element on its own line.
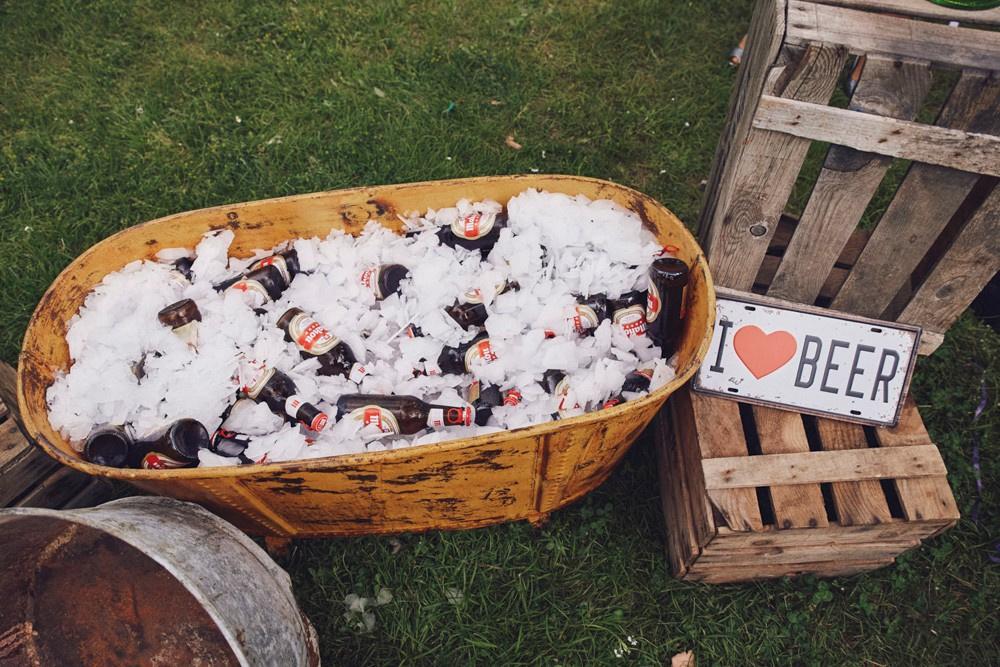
<point>31,478</point>
<point>864,498</point>
<point>753,494</point>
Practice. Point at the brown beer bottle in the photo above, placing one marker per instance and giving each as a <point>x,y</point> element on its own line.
<point>400,415</point>
<point>176,447</point>
<point>266,281</point>
<point>230,444</point>
<point>108,446</point>
<point>483,399</point>
<point>588,313</point>
<point>629,312</point>
<point>668,276</point>
<point>183,318</point>
<point>557,384</point>
<point>286,261</point>
<point>278,391</point>
<point>384,280</point>
<point>476,231</point>
<point>637,380</point>
<point>459,359</point>
<point>471,311</point>
<point>315,340</point>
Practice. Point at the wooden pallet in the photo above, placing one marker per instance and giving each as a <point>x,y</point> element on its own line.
<point>31,478</point>
<point>933,249</point>
<point>753,496</point>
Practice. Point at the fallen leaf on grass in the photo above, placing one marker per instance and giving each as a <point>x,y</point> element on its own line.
<point>513,144</point>
<point>685,659</point>
<point>378,92</point>
<point>496,103</point>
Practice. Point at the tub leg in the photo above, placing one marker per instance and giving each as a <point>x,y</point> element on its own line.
<point>277,546</point>
<point>540,520</point>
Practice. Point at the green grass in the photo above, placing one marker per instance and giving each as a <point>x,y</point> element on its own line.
<point>113,113</point>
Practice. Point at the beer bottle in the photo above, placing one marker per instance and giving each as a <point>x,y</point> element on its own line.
<point>459,359</point>
<point>636,381</point>
<point>384,280</point>
<point>471,311</point>
<point>176,447</point>
<point>665,302</point>
<point>411,330</point>
<point>557,384</point>
<point>588,313</point>
<point>286,261</point>
<point>183,317</point>
<point>315,340</point>
<point>108,446</point>
<point>278,391</point>
<point>267,281</point>
<point>183,267</point>
<point>400,415</point>
<point>629,312</point>
<point>476,231</point>
<point>483,400</point>
<point>230,444</point>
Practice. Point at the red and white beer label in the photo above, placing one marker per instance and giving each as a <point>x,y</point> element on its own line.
<point>311,336</point>
<point>253,377</point>
<point>474,226</point>
<point>369,280</point>
<point>481,350</point>
<point>251,287</point>
<point>158,461</point>
<point>653,303</point>
<point>451,416</point>
<point>188,333</point>
<point>632,320</point>
<point>583,318</point>
<point>562,393</point>
<point>373,415</point>
<point>476,295</point>
<point>357,374</point>
<point>292,405</point>
<point>645,372</point>
<point>512,397</point>
<point>612,402</point>
<point>278,262</point>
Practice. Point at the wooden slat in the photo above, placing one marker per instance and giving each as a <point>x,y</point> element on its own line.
<point>815,467</point>
<point>804,554</point>
<point>22,465</point>
<point>96,491</point>
<point>921,498</point>
<point>968,151</point>
<point>867,32</point>
<point>767,27</point>
<point>8,389</point>
<point>924,9</point>
<point>782,433</point>
<point>847,181</point>
<point>848,256</point>
<point>721,434</point>
<point>724,574</point>
<point>696,505</point>
<point>56,489</point>
<point>924,203</point>
<point>682,548</point>
<point>832,284</point>
<point>861,502</point>
<point>971,261</point>
<point>896,531</point>
<point>741,228</point>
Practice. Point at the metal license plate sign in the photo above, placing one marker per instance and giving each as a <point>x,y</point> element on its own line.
<point>806,359</point>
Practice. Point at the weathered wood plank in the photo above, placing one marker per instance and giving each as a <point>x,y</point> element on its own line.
<point>924,203</point>
<point>967,151</point>
<point>847,181</point>
<point>740,230</point>
<point>8,390</point>
<point>848,256</point>
<point>56,489</point>
<point>720,432</point>
<point>924,9</point>
<point>767,27</point>
<point>682,547</point>
<point>782,433</point>
<point>696,505</point>
<point>96,491</point>
<point>861,502</point>
<point>921,498</point>
<point>815,467</point>
<point>971,261</point>
<point>22,465</point>
<point>867,32</point>
<point>724,574</point>
<point>896,531</point>
<point>832,284</point>
<point>804,554</point>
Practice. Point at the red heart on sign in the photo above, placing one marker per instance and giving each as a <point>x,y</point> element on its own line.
<point>763,353</point>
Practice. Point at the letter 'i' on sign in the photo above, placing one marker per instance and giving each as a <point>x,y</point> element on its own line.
<point>786,355</point>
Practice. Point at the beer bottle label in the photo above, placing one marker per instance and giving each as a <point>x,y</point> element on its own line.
<point>653,303</point>
<point>632,320</point>
<point>369,280</point>
<point>278,262</point>
<point>292,405</point>
<point>476,295</point>
<point>475,226</point>
<point>381,418</point>
<point>358,373</point>
<point>310,336</point>
<point>562,393</point>
<point>645,372</point>
<point>188,333</point>
<point>158,461</point>
<point>481,350</point>
<point>255,381</point>
<point>474,391</point>
<point>583,318</point>
<point>451,416</point>
<point>512,397</point>
<point>250,286</point>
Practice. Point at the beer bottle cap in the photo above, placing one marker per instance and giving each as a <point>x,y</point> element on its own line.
<point>670,269</point>
<point>178,314</point>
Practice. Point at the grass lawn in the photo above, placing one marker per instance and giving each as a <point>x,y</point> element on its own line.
<point>113,113</point>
